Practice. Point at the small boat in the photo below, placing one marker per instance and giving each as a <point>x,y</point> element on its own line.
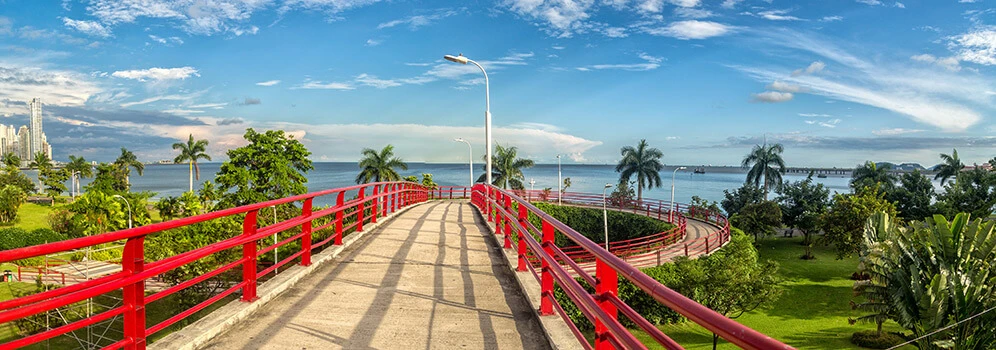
<point>822,176</point>
<point>699,171</point>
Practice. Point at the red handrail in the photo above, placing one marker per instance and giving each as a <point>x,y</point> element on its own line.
<point>602,307</point>
<point>381,198</point>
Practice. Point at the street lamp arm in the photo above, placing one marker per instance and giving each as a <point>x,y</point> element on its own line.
<point>487,92</point>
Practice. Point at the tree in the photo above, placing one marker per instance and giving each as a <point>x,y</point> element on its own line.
<point>13,176</point>
<point>766,164</point>
<point>54,181</point>
<point>621,197</point>
<point>11,199</point>
<point>879,232</point>
<point>109,178</point>
<point>949,167</point>
<point>40,162</point>
<point>758,219</point>
<point>126,161</point>
<point>644,162</point>
<point>802,203</point>
<point>506,169</point>
<point>168,207</point>
<point>746,194</point>
<point>972,192</point>
<point>11,160</point>
<point>870,174</point>
<point>187,238</point>
<point>271,166</point>
<point>191,152</point>
<point>96,212</point>
<point>209,194</point>
<point>78,169</point>
<point>843,224</point>
<point>427,181</point>
<point>379,166</point>
<point>913,196</point>
<point>566,184</point>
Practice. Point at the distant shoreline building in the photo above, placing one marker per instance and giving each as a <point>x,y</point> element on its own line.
<point>25,141</point>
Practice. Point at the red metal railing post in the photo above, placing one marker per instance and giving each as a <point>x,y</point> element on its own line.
<point>394,197</point>
<point>361,209</point>
<point>133,262</point>
<point>488,195</point>
<point>306,236</point>
<point>384,193</point>
<point>498,215</point>
<point>707,244</point>
<point>606,283</point>
<point>523,219</point>
<point>686,249</point>
<point>546,278</point>
<point>249,257</point>
<point>659,205</point>
<point>508,224</point>
<point>374,207</point>
<point>339,201</point>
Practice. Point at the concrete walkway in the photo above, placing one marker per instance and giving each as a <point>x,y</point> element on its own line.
<point>431,278</point>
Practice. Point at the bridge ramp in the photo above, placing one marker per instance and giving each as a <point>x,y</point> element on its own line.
<point>431,278</point>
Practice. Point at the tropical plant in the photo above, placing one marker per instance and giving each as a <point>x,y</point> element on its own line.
<point>54,181</point>
<point>13,176</point>
<point>96,212</point>
<point>208,194</point>
<point>802,202</point>
<point>379,166</point>
<point>879,232</point>
<point>506,168</point>
<point>758,219</point>
<point>427,181</point>
<point>746,194</point>
<point>949,167</point>
<point>11,199</point>
<point>168,207</point>
<point>78,169</point>
<point>126,161</point>
<point>40,162</point>
<point>191,152</point>
<point>623,196</point>
<point>766,165</point>
<point>913,196</point>
<point>870,174</point>
<point>11,160</point>
<point>972,192</point>
<point>270,166</point>
<point>644,162</point>
<point>844,223</point>
<point>109,178</point>
<point>566,184</point>
<point>187,238</point>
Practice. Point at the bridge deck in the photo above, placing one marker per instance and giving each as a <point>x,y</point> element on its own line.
<point>428,279</point>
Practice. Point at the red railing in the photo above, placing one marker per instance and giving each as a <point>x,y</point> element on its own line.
<point>379,199</point>
<point>510,215</point>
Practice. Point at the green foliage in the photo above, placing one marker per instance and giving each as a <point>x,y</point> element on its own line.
<point>622,197</point>
<point>191,152</point>
<point>61,221</point>
<point>589,222</point>
<point>843,224</point>
<point>79,165</point>
<point>410,178</point>
<point>11,199</point>
<point>188,204</point>
<point>950,166</point>
<point>972,192</point>
<point>109,179</point>
<point>913,196</point>
<point>126,161</point>
<point>644,162</point>
<point>95,212</point>
<point>13,176</point>
<point>566,184</point>
<point>506,169</point>
<point>871,175</point>
<point>271,166</point>
<point>377,167</point>
<point>802,203</point>
<point>766,165</point>
<point>758,220</point>
<point>54,181</point>
<point>703,209</point>
<point>746,194</point>
<point>15,237</point>
<point>183,239</point>
<point>427,181</point>
<point>876,340</point>
<point>11,160</point>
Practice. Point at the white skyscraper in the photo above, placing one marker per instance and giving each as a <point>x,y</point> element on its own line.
<point>36,126</point>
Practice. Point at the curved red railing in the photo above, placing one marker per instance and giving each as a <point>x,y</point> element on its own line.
<point>510,214</point>
<point>377,199</point>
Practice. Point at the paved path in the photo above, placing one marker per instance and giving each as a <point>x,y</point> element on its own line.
<point>428,279</point>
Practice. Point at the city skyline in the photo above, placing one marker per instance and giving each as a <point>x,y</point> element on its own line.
<point>26,141</point>
<point>837,83</point>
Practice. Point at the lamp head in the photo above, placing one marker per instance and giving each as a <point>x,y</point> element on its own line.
<point>458,139</point>
<point>608,185</point>
<point>458,59</point>
<point>682,168</point>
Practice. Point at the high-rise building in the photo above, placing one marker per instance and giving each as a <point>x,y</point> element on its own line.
<point>36,126</point>
<point>24,143</point>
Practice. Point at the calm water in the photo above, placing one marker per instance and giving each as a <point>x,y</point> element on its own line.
<point>171,180</point>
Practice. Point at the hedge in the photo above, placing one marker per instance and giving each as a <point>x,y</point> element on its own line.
<point>589,222</point>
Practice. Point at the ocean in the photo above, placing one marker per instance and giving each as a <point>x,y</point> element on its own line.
<point>171,180</point>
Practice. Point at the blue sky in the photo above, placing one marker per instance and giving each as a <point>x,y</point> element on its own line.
<point>837,82</point>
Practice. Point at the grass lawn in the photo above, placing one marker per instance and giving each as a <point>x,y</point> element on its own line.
<point>812,311</point>
<point>32,216</point>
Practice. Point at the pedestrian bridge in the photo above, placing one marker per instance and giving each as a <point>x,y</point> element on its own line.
<point>396,266</point>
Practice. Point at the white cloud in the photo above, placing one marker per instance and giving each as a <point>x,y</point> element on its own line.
<point>895,131</point>
<point>815,115</point>
<point>899,5</point>
<point>166,41</point>
<point>831,19</point>
<point>194,17</point>
<point>220,105</point>
<point>87,27</point>
<point>949,63</point>
<point>559,18</point>
<point>175,97</point>
<point>773,97</point>
<point>686,3</point>
<point>691,29</point>
<point>268,83</point>
<point>814,67</point>
<point>776,15</point>
<point>318,85</point>
<point>537,126</point>
<point>157,39</point>
<point>414,22</point>
<point>55,87</point>
<point>832,123</point>
<point>688,12</point>
<point>157,74</point>
<point>870,2</point>
<point>784,87</point>
<point>976,46</point>
<point>6,26</point>
<point>182,111</point>
<point>450,70</point>
<point>652,62</point>
<point>373,42</point>
<point>729,4</point>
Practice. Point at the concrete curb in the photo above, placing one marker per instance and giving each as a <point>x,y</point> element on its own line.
<point>196,334</point>
<point>555,328</point>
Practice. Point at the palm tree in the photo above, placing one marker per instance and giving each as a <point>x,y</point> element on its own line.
<point>380,166</point>
<point>506,168</point>
<point>765,163</point>
<point>126,161</point>
<point>949,167</point>
<point>190,152</point>
<point>642,161</point>
<point>871,174</point>
<point>11,160</point>
<point>79,169</point>
<point>42,163</point>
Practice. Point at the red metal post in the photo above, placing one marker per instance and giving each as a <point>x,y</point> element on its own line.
<point>508,225</point>
<point>498,216</point>
<point>387,188</point>
<point>374,205</point>
<point>546,277</point>
<point>487,202</point>
<point>360,209</point>
<point>133,262</point>
<point>686,249</point>
<point>306,237</point>
<point>249,255</point>
<point>606,283</point>
<point>339,200</point>
<point>523,218</point>
<point>659,205</point>
<point>707,244</point>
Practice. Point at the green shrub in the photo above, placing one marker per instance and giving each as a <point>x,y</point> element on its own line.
<point>11,199</point>
<point>15,237</point>
<point>589,222</point>
<point>872,340</point>
<point>629,293</point>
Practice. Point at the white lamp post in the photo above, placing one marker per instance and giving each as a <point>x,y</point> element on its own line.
<point>531,183</point>
<point>670,214</point>
<point>118,196</point>
<point>605,216</point>
<point>560,182</point>
<point>487,107</point>
<point>471,149</point>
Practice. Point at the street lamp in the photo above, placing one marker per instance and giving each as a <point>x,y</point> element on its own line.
<point>531,183</point>
<point>471,149</point>
<point>560,182</point>
<point>605,216</point>
<point>487,107</point>
<point>118,196</point>
<point>670,214</point>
